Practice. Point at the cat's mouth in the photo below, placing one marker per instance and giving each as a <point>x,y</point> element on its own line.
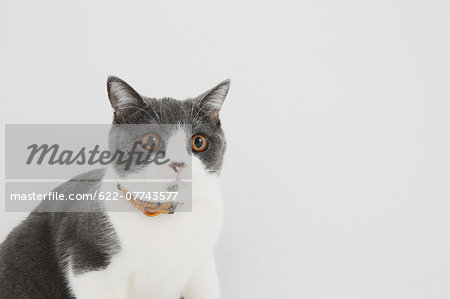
<point>150,209</point>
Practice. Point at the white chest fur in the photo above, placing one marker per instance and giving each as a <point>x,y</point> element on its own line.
<point>158,255</point>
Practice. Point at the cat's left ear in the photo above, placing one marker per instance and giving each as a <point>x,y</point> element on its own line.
<point>211,101</point>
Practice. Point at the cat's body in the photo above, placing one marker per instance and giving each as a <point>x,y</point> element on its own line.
<point>161,256</point>
<point>127,254</point>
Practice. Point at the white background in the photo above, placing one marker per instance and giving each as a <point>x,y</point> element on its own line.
<point>337,173</point>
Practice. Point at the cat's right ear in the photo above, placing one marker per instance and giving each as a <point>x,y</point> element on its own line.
<point>124,99</point>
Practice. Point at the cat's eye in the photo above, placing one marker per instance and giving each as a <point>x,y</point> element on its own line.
<point>150,141</point>
<point>198,143</point>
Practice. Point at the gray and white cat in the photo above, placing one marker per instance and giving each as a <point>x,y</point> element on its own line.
<point>126,254</point>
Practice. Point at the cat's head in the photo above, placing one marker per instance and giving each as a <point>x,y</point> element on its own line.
<point>186,132</point>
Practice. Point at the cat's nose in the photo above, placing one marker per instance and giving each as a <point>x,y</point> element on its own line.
<point>177,166</point>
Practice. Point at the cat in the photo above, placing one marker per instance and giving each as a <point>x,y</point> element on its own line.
<point>122,255</point>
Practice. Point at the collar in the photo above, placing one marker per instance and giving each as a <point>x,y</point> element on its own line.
<point>150,209</point>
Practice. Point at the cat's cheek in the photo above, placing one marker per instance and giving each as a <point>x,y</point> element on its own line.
<point>203,182</point>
